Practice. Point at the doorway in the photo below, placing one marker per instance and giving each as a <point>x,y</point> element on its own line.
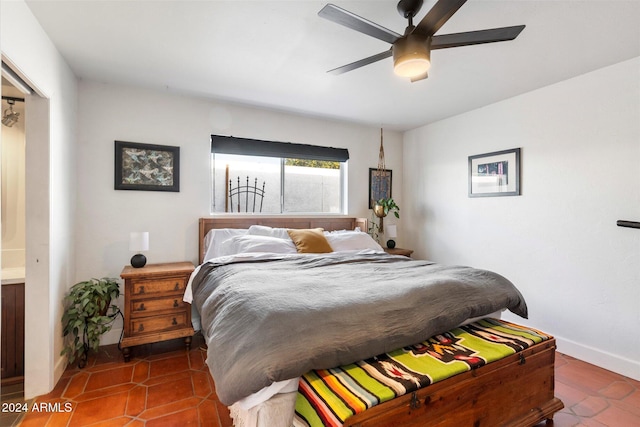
<point>13,243</point>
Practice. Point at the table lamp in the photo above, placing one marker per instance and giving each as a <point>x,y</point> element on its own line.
<point>392,233</point>
<point>138,242</point>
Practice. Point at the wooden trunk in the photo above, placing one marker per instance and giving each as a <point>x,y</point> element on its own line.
<point>515,391</point>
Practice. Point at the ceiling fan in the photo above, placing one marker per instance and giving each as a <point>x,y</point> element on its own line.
<point>411,51</point>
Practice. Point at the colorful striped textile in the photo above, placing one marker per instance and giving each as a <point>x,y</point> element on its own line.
<point>327,397</point>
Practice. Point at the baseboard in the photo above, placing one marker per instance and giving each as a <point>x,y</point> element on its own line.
<point>612,362</point>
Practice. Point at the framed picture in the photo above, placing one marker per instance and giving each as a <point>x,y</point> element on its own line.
<point>495,174</point>
<point>379,185</point>
<point>146,167</point>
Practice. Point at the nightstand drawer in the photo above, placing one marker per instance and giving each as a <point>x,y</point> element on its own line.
<point>145,325</point>
<point>150,287</point>
<point>150,306</point>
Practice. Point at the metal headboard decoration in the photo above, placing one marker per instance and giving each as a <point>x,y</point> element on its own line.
<point>246,190</point>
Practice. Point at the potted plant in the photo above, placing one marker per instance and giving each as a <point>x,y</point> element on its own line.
<point>384,206</point>
<point>381,209</point>
<point>85,316</point>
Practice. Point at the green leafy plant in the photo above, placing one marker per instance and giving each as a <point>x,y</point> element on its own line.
<point>85,316</point>
<point>389,205</point>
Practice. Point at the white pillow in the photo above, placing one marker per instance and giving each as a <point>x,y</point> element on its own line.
<point>352,241</point>
<point>248,243</point>
<point>263,230</point>
<point>214,239</point>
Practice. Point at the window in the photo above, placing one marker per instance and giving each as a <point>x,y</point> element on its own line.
<point>296,178</point>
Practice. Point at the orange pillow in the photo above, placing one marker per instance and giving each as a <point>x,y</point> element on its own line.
<point>310,241</point>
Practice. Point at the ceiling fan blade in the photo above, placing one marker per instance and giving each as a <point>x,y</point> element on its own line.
<point>476,37</point>
<point>361,63</point>
<point>355,22</point>
<point>420,77</point>
<point>437,16</point>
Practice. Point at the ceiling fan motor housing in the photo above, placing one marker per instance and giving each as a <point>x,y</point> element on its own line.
<point>411,55</point>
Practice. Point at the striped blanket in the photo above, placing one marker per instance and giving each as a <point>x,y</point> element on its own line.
<point>328,397</point>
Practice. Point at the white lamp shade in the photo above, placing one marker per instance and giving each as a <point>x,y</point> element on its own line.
<point>391,231</point>
<point>139,241</point>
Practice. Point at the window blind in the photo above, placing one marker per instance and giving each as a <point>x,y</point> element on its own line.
<point>257,147</point>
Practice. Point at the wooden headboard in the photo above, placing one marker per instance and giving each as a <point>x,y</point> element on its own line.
<point>329,223</point>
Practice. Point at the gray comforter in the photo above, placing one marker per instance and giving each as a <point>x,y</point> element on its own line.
<point>273,320</point>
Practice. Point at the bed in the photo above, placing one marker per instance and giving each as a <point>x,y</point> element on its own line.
<point>263,334</point>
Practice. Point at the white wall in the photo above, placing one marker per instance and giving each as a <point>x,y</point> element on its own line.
<point>110,112</point>
<point>558,241</point>
<point>50,189</point>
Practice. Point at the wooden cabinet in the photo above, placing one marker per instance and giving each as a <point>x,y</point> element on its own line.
<point>12,344</point>
<point>153,306</point>
<point>399,251</point>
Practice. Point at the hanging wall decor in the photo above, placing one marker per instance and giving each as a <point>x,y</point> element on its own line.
<point>495,174</point>
<point>146,167</point>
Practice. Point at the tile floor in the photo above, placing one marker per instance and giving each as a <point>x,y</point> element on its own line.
<point>163,385</point>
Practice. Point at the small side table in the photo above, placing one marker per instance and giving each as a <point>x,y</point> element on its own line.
<point>399,251</point>
<point>153,306</point>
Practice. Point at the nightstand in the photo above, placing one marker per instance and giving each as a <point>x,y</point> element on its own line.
<point>153,306</point>
<point>399,251</point>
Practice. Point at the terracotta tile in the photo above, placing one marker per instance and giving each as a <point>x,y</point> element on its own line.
<point>140,371</point>
<point>196,359</point>
<point>164,393</point>
<point>633,399</point>
<point>59,419</point>
<point>76,385</point>
<point>136,401</point>
<point>58,389</point>
<point>207,413</point>
<point>586,377</point>
<point>35,419</point>
<point>589,422</point>
<point>114,422</point>
<point>187,417</point>
<point>102,409</point>
<point>223,415</point>
<point>562,419</point>
<point>96,394</point>
<point>168,378</point>
<point>201,386</point>
<point>170,408</point>
<point>568,394</point>
<point>617,390</point>
<point>615,416</point>
<point>168,366</point>
<point>110,377</point>
<point>626,406</point>
<point>136,423</point>
<point>590,406</point>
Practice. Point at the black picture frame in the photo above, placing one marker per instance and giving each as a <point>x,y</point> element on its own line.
<point>495,174</point>
<point>146,167</point>
<point>379,183</point>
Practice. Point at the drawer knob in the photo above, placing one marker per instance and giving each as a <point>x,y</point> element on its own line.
<point>141,290</point>
<point>142,307</point>
<point>141,327</point>
<point>177,287</point>
<point>175,303</point>
<point>174,322</point>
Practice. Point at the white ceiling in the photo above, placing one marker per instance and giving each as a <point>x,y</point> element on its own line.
<point>276,53</point>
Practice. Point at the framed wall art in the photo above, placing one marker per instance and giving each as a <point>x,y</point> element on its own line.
<point>379,185</point>
<point>495,174</point>
<point>146,167</point>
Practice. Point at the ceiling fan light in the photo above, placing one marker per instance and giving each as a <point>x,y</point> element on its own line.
<point>411,56</point>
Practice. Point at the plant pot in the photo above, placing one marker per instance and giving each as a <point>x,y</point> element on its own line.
<point>378,211</point>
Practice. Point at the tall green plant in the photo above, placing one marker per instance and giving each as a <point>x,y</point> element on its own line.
<point>85,316</point>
